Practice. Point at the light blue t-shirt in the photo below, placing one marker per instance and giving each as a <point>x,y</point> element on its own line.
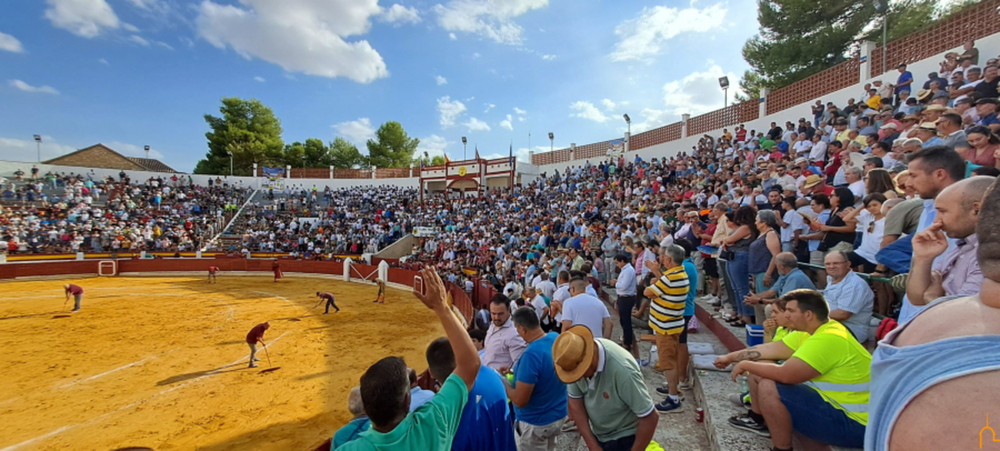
<point>692,273</point>
<point>419,397</point>
<point>548,398</point>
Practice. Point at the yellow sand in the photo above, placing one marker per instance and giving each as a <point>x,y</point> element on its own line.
<point>162,362</point>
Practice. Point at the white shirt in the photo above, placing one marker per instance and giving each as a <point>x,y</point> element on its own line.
<point>794,221</point>
<point>546,287</point>
<point>870,242</point>
<point>587,310</point>
<point>818,151</point>
<point>539,304</point>
<point>625,286</point>
<point>802,146</point>
<point>561,294</point>
<point>858,188</point>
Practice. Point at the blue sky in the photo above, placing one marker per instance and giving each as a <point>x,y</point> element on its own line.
<point>128,73</point>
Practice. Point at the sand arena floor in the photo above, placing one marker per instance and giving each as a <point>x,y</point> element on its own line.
<point>162,362</point>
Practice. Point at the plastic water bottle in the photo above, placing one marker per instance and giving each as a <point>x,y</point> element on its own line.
<point>654,357</point>
<point>744,386</point>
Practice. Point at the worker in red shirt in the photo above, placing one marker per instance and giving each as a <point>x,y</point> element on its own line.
<point>256,335</point>
<point>212,270</point>
<point>277,269</point>
<point>328,297</point>
<point>77,293</point>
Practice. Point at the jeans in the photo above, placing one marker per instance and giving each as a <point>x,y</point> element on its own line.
<point>739,278</point>
<point>621,444</point>
<point>329,303</point>
<point>787,246</point>
<point>625,304</point>
<point>817,419</point>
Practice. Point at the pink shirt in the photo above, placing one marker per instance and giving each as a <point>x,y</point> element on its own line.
<point>503,346</point>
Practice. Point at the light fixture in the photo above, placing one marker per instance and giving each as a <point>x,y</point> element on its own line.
<point>627,119</point>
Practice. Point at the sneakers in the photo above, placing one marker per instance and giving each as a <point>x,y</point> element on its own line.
<point>669,406</point>
<point>569,426</point>
<point>666,392</point>
<point>740,399</point>
<point>253,365</point>
<point>256,359</point>
<point>748,424</point>
<point>685,386</point>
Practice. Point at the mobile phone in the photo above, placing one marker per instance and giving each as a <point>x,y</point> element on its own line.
<point>418,285</point>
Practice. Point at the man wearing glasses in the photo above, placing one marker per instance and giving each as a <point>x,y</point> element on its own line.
<point>851,299</point>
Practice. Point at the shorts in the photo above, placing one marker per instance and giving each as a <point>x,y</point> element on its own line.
<point>817,419</point>
<point>816,258</point>
<point>711,268</point>
<point>684,334</point>
<point>666,351</point>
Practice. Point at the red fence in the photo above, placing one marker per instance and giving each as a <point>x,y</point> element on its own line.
<point>977,21</point>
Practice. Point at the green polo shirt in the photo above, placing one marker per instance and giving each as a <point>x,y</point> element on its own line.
<point>432,426</point>
<point>616,397</point>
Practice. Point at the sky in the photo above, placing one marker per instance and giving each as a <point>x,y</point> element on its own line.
<point>130,73</point>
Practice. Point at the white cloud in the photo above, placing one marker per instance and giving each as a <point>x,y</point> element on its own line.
<point>28,88</point>
<point>129,27</point>
<point>477,125</point>
<point>489,106</point>
<point>103,61</point>
<point>608,104</point>
<point>139,40</point>
<point>132,150</point>
<point>645,36</point>
<point>493,19</point>
<point>260,79</point>
<point>548,57</point>
<point>144,4</point>
<point>695,94</point>
<point>10,43</point>
<point>452,36</point>
<point>450,110</point>
<point>519,111</point>
<point>520,119</point>
<point>434,145</point>
<point>86,18</point>
<point>476,55</point>
<point>441,80</point>
<point>399,14</point>
<point>358,131</point>
<point>23,150</point>
<point>506,123</point>
<point>587,110</point>
<point>305,36</point>
<point>188,41</point>
<point>165,45</point>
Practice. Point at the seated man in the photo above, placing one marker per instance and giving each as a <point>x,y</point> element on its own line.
<point>851,299</point>
<point>957,272</point>
<point>937,374</point>
<point>385,389</point>
<point>790,278</point>
<point>360,423</point>
<point>820,391</point>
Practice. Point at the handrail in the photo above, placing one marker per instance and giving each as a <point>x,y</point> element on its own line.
<point>231,221</point>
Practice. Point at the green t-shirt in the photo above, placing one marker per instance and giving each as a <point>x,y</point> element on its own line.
<point>619,395</point>
<point>431,427</point>
<point>844,366</point>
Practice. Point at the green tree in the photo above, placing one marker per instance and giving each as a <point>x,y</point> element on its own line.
<point>249,130</point>
<point>799,38</point>
<point>316,154</point>
<point>437,160</point>
<point>343,154</point>
<point>751,84</point>
<point>391,148</point>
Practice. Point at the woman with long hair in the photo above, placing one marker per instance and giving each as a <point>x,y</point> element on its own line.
<point>762,265</point>
<point>744,221</point>
<point>984,146</point>
<point>839,228</point>
<point>880,181</point>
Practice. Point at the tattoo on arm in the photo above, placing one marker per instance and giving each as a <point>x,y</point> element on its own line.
<point>748,354</point>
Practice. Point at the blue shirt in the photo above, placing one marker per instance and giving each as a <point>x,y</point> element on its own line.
<point>903,78</point>
<point>419,397</point>
<point>692,273</point>
<point>935,141</point>
<point>548,398</point>
<point>792,281</point>
<point>350,431</point>
<point>487,423</point>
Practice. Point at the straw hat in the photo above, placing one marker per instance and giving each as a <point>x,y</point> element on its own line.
<point>572,353</point>
<point>923,94</point>
<point>812,181</point>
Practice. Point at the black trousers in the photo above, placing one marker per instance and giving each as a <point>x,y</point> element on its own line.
<point>330,303</point>
<point>625,305</point>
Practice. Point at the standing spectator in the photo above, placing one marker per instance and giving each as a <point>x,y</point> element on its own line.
<point>385,389</point>
<point>931,171</point>
<point>625,286</point>
<point>538,396</point>
<point>903,82</point>
<point>503,345</point>
<point>739,243</point>
<point>666,317</point>
<point>817,111</point>
<point>957,272</point>
<point>608,400</point>
<point>583,308</point>
<point>761,262</point>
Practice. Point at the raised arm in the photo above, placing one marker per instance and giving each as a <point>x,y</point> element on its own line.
<point>466,357</point>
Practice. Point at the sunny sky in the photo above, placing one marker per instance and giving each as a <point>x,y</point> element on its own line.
<point>128,73</point>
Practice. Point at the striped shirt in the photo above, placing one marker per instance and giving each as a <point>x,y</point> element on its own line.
<point>666,314</point>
